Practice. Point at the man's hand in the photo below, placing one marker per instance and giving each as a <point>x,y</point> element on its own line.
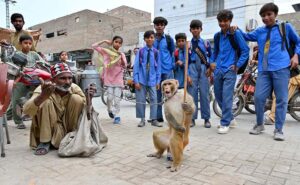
<point>294,61</point>
<point>91,90</point>
<point>47,88</point>
<point>189,80</point>
<point>179,62</point>
<point>137,86</point>
<point>157,86</point>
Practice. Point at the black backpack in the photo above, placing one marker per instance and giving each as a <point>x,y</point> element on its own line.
<point>291,49</point>
<point>236,47</point>
<point>169,43</point>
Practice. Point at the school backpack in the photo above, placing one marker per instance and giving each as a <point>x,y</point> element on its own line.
<point>169,43</point>
<point>236,47</point>
<point>141,54</point>
<point>291,49</point>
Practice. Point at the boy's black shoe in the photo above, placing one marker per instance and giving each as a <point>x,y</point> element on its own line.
<point>207,124</point>
<point>160,119</point>
<point>193,123</point>
<point>111,115</point>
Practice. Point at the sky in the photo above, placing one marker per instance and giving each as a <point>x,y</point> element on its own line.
<point>39,11</point>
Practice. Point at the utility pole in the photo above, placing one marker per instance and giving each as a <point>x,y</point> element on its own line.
<point>7,2</point>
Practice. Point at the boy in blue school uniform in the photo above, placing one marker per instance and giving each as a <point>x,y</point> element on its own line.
<point>164,43</point>
<point>146,76</point>
<point>225,67</point>
<point>199,71</point>
<point>274,63</point>
<point>179,55</point>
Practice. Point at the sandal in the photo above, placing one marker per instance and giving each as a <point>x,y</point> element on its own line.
<point>21,126</point>
<point>42,149</point>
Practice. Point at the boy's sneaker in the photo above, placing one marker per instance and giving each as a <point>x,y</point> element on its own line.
<point>193,123</point>
<point>117,120</point>
<point>155,123</point>
<point>278,135</point>
<point>142,123</point>
<point>160,119</point>
<point>207,124</point>
<point>257,129</point>
<point>223,129</point>
<point>233,124</point>
<point>111,115</point>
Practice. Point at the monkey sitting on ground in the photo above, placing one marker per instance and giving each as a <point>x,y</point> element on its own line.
<point>176,137</point>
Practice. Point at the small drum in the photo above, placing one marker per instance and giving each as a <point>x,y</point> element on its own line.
<point>13,69</point>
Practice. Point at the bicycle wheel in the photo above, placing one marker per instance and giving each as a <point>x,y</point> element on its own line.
<point>294,106</point>
<point>104,97</point>
<point>237,106</point>
<point>250,108</point>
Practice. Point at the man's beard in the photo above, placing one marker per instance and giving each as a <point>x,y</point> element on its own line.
<point>18,28</point>
<point>63,88</point>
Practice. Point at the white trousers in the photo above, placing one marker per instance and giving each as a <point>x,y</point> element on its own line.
<point>113,100</point>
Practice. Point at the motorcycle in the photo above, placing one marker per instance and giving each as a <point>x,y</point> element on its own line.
<point>30,75</point>
<point>244,96</point>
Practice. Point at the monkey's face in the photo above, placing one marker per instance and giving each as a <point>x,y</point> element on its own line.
<point>169,87</point>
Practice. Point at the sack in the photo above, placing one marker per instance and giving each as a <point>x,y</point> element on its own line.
<point>87,140</point>
<point>291,49</point>
<point>236,47</point>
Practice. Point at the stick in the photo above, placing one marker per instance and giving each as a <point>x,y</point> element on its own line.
<point>186,69</point>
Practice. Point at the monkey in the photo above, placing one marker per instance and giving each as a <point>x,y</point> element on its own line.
<point>179,116</point>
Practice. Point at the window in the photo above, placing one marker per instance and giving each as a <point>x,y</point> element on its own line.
<point>49,35</point>
<point>213,7</point>
<point>76,19</point>
<point>62,32</point>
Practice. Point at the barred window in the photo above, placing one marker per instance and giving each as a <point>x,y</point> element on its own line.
<point>213,7</point>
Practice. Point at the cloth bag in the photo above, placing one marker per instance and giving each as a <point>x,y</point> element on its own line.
<point>87,140</point>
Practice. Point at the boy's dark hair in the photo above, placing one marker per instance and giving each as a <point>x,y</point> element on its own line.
<point>180,36</point>
<point>196,24</point>
<point>269,7</point>
<point>117,37</point>
<point>25,37</point>
<point>225,15</point>
<point>148,33</point>
<point>15,16</point>
<point>158,20</point>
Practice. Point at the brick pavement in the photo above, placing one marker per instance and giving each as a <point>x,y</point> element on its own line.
<point>235,158</point>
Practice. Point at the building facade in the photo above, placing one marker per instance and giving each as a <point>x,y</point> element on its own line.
<point>76,32</point>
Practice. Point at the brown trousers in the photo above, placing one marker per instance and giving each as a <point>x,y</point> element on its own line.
<point>294,83</point>
<point>53,121</point>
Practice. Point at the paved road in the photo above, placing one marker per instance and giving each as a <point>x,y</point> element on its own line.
<point>235,158</point>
